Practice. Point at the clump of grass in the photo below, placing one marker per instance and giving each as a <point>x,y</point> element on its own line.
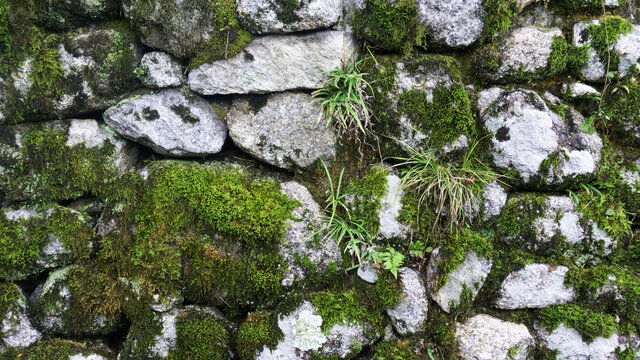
<point>453,188</point>
<point>344,102</point>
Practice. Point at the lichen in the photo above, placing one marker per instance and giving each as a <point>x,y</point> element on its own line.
<point>307,333</point>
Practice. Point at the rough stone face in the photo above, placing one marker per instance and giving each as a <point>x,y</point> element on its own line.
<point>367,273</point>
<point>340,340</point>
<point>569,344</point>
<point>483,337</point>
<point>535,287</point>
<point>579,90</point>
<point>276,63</point>
<point>629,49</point>
<point>16,330</point>
<point>471,275</point>
<point>276,17</point>
<point>298,237</point>
<point>391,204</point>
<point>455,24</point>
<point>410,314</point>
<point>494,198</point>
<point>161,70</point>
<point>170,123</point>
<point>286,130</point>
<point>53,311</point>
<point>525,52</point>
<point>95,67</point>
<point>543,148</point>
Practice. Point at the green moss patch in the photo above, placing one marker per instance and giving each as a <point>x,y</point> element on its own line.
<point>258,330</point>
<point>456,248</point>
<point>59,349</point>
<point>9,296</point>
<point>398,350</point>
<point>498,16</point>
<point>200,336</point>
<point>518,215</point>
<point>603,36</point>
<point>368,193</point>
<point>590,324</point>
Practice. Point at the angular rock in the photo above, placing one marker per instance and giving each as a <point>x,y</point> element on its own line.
<point>175,336</point>
<point>16,330</point>
<point>524,53</point>
<point>27,173</point>
<point>535,287</point>
<point>579,90</point>
<point>276,63</point>
<point>161,70</point>
<point>455,24</point>
<point>170,123</point>
<point>286,130</point>
<point>41,238</point>
<point>275,17</point>
<point>544,148</point>
<point>483,337</point>
<point>494,198</point>
<point>299,236</point>
<point>469,275</point>
<point>56,310</point>
<point>92,69</point>
<point>568,344</point>
<point>410,315</point>
<point>367,273</point>
<point>542,229</point>
<point>391,204</point>
<point>341,341</point>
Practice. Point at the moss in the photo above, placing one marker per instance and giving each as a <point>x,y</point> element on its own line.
<point>590,324</point>
<point>60,349</point>
<point>456,248</point>
<point>286,10</point>
<point>572,6</point>
<point>368,193</point>
<point>622,107</point>
<point>229,39</point>
<point>200,337</point>
<point>498,16</point>
<point>626,354</point>
<point>518,216</point>
<point>608,213</point>
<point>605,35</point>
<point>9,295</point>
<point>397,350</point>
<point>258,330</point>
<point>389,26</point>
<point>566,57</point>
<point>6,39</point>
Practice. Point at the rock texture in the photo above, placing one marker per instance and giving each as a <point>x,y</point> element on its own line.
<point>409,316</point>
<point>286,130</point>
<point>469,275</point>
<point>16,330</point>
<point>455,24</point>
<point>568,344</point>
<point>530,138</point>
<point>483,337</point>
<point>169,122</point>
<point>276,63</point>
<point>391,204</point>
<point>161,70</point>
<point>299,236</point>
<point>534,287</point>
<point>276,17</point>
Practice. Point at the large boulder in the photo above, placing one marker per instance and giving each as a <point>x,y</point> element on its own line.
<point>161,70</point>
<point>410,315</point>
<point>83,71</point>
<point>192,332</point>
<point>16,330</point>
<point>187,28</point>
<point>286,130</point>
<point>420,103</point>
<point>453,24</point>
<point>276,17</point>
<point>41,238</point>
<point>299,239</point>
<point>535,286</point>
<point>544,146</point>
<point>276,63</point>
<point>169,122</point>
<point>61,160</point>
<point>468,276</point>
<point>483,337</point>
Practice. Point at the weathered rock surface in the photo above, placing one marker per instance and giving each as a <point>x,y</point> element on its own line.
<point>568,344</point>
<point>534,287</point>
<point>64,14</point>
<point>299,239</point>
<point>275,17</point>
<point>545,149</point>
<point>59,236</point>
<point>276,63</point>
<point>483,337</point>
<point>161,70</point>
<point>455,24</point>
<point>391,204</point>
<point>16,330</point>
<point>524,53</point>
<point>368,273</point>
<point>93,68</point>
<point>578,90</point>
<point>55,311</point>
<point>469,275</point>
<point>410,315</point>
<point>170,123</point>
<point>340,340</point>
<point>283,129</point>
<point>494,198</point>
